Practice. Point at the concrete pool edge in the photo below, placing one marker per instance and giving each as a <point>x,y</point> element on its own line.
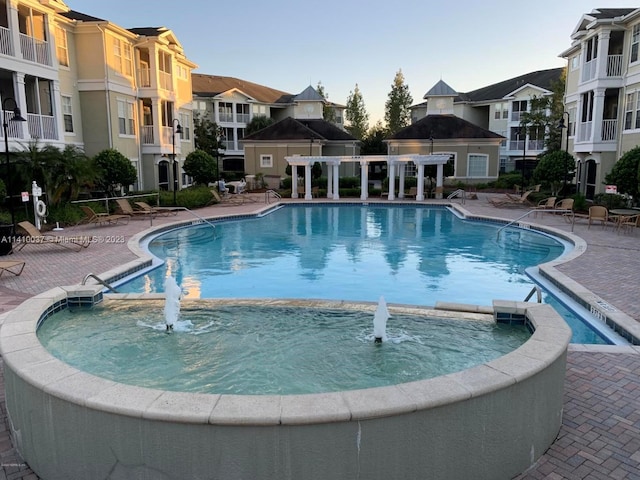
<point>513,403</point>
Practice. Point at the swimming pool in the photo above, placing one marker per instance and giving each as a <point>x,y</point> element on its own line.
<point>416,255</point>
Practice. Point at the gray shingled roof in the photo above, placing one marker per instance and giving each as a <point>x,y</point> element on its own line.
<point>442,127</point>
<point>441,89</point>
<point>604,13</point>
<point>149,31</point>
<point>83,17</point>
<point>309,94</point>
<point>291,129</point>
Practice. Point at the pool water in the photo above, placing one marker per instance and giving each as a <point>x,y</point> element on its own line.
<point>415,255</point>
<point>254,350</point>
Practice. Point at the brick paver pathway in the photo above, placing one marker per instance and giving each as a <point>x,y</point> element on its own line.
<point>600,433</point>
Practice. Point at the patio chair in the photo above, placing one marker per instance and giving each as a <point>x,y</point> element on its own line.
<point>164,211</point>
<point>125,208</point>
<point>630,222</point>
<point>412,193</point>
<point>101,218</point>
<point>228,199</point>
<point>598,213</point>
<point>36,237</point>
<point>511,200</point>
<point>13,267</point>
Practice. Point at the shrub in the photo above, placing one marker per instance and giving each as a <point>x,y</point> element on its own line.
<point>201,166</point>
<point>610,200</point>
<point>579,202</point>
<point>507,181</point>
<point>191,197</point>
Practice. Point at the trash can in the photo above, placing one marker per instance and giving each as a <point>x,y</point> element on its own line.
<point>6,240</point>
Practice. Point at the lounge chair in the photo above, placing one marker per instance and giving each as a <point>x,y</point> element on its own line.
<point>36,237</point>
<point>412,193</point>
<point>547,204</point>
<point>511,200</point>
<point>598,213</point>
<point>125,208</point>
<point>164,211</point>
<point>13,267</point>
<point>228,199</point>
<point>101,218</point>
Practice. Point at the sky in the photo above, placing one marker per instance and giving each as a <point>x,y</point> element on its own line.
<point>289,45</point>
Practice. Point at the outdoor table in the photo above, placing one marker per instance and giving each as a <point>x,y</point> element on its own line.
<point>619,215</point>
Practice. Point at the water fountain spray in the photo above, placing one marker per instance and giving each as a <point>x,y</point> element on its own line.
<point>380,321</point>
<point>172,292</point>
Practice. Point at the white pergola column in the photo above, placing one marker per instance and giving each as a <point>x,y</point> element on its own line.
<point>402,168</point>
<point>364,179</point>
<point>420,193</point>
<point>294,181</point>
<point>391,168</point>
<point>439,180</point>
<point>336,181</point>
<point>307,182</point>
<point>329,181</point>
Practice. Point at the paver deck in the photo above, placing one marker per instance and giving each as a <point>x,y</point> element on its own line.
<point>600,434</point>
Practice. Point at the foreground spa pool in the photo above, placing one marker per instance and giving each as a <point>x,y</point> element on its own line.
<point>253,347</point>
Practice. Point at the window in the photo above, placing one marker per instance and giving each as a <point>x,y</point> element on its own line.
<point>498,113</point>
<point>122,57</point>
<point>67,114</point>
<point>637,112</point>
<point>635,41</point>
<point>518,107</point>
<point>501,111</point>
<point>575,62</point>
<point>572,121</point>
<point>183,72</point>
<point>242,112</point>
<point>266,161</point>
<point>61,47</point>
<point>126,122</point>
<point>185,123</point>
<point>628,111</point>
<point>477,165</point>
<point>259,110</point>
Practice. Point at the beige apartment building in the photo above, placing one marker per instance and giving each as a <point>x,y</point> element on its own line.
<point>602,98</point>
<point>85,81</point>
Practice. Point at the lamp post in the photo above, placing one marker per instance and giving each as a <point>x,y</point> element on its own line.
<point>524,154</point>
<point>562,126</point>
<point>175,128</point>
<point>5,124</point>
<point>219,138</point>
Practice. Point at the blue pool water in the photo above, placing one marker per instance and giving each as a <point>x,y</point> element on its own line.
<point>408,254</point>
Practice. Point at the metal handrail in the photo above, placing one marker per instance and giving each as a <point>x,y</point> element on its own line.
<point>270,193</point>
<point>538,293</point>
<point>456,193</point>
<point>99,280</point>
<point>559,210</point>
<point>203,220</point>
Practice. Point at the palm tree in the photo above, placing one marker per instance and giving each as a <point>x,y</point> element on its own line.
<point>73,171</point>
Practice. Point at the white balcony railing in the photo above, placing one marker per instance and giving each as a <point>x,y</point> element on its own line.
<point>225,117</point>
<point>146,134</point>
<point>166,81</point>
<point>14,128</point>
<point>614,66</point>
<point>535,145</point>
<point>229,145</point>
<point>584,131</point>
<point>242,117</point>
<point>166,133</point>
<point>609,129</point>
<point>42,126</point>
<point>34,50</point>
<point>6,45</point>
<point>516,144</point>
<point>144,77</point>
<point>515,116</point>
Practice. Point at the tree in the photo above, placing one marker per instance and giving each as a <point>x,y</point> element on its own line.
<point>556,106</point>
<point>201,166</point>
<point>72,172</point>
<point>35,162</point>
<point>373,141</point>
<point>328,112</point>
<point>114,170</point>
<point>397,113</point>
<point>258,123</point>
<point>356,114</point>
<point>553,168</point>
<point>207,136</point>
<point>625,173</point>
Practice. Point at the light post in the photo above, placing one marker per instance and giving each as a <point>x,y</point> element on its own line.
<point>175,129</point>
<point>219,138</point>
<point>5,124</point>
<point>524,154</point>
<point>562,126</point>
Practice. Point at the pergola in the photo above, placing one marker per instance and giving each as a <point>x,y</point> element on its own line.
<point>392,161</point>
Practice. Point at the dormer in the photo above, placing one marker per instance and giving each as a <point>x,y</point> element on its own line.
<point>308,104</point>
<point>440,99</point>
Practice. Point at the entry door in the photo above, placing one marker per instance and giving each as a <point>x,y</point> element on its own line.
<point>163,175</point>
<point>592,169</point>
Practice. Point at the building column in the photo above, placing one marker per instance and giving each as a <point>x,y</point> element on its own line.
<point>420,192</point>
<point>156,115</point>
<point>57,110</point>
<point>439,180</point>
<point>402,168</point>
<point>598,114</point>
<point>14,28</point>
<point>294,181</point>
<point>603,54</point>
<point>364,179</point>
<point>20,96</point>
<point>336,181</point>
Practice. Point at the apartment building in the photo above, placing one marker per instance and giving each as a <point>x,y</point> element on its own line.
<point>499,108</point>
<point>85,81</point>
<point>232,103</point>
<point>602,98</point>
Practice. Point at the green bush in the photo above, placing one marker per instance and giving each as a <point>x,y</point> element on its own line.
<point>579,202</point>
<point>610,200</point>
<point>507,181</point>
<point>191,197</point>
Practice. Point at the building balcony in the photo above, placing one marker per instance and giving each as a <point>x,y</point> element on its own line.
<point>614,68</point>
<point>6,45</point>
<point>165,145</point>
<point>144,77</point>
<point>609,131</point>
<point>35,50</point>
<point>42,126</point>
<point>531,145</point>
<point>14,129</point>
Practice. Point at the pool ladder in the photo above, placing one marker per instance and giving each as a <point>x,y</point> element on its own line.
<point>99,280</point>
<point>271,193</point>
<point>538,293</point>
<point>458,193</point>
